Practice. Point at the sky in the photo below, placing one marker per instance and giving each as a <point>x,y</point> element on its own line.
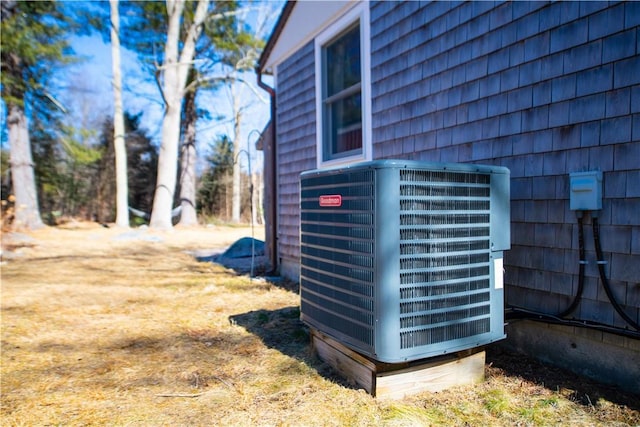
<point>142,94</point>
<point>87,96</point>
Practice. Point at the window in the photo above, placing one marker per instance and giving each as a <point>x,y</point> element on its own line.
<point>341,95</point>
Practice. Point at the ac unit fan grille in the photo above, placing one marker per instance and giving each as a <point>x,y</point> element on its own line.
<point>409,339</point>
<point>337,254</point>
<point>445,255</point>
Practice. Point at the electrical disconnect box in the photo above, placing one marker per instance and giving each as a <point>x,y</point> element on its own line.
<point>585,191</point>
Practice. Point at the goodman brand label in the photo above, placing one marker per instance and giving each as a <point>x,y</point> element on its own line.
<point>332,200</point>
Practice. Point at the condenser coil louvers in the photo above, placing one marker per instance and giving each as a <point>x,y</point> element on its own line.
<point>402,260</point>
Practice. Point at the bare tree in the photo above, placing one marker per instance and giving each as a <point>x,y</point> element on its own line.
<point>237,149</point>
<point>188,156</point>
<point>229,59</point>
<point>173,73</point>
<point>220,31</point>
<point>122,188</point>
<point>242,60</point>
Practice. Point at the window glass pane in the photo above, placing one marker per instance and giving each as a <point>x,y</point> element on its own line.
<point>342,96</point>
<point>345,124</point>
<point>343,62</point>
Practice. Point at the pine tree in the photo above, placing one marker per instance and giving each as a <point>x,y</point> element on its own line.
<point>33,44</point>
<point>214,192</point>
<point>142,164</point>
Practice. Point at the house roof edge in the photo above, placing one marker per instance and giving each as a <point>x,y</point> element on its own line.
<point>275,34</point>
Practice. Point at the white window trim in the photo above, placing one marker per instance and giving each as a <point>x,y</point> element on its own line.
<point>359,12</point>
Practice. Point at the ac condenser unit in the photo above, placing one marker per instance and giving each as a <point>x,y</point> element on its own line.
<point>402,260</point>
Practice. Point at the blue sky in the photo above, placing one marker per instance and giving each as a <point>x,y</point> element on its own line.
<point>92,79</point>
<point>86,93</point>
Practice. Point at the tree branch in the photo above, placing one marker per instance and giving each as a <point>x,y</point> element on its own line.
<point>253,89</point>
<point>156,76</point>
<point>228,77</point>
<point>55,102</point>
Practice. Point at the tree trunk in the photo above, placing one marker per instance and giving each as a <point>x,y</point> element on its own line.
<point>175,69</point>
<point>188,159</point>
<point>27,212</point>
<point>122,188</point>
<point>237,193</point>
<point>167,170</point>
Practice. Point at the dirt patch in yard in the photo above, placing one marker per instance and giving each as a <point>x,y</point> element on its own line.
<point>102,326</point>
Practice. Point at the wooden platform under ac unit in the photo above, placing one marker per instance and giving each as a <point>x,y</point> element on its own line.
<point>396,380</point>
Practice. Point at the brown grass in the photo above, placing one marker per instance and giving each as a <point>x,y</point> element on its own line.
<point>111,327</point>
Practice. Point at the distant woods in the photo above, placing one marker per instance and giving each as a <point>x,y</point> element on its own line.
<point>75,181</point>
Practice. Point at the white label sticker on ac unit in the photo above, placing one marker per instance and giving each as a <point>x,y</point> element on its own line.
<point>498,273</point>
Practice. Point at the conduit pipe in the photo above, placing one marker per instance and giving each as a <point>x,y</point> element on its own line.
<point>582,262</point>
<point>514,312</point>
<point>603,277</point>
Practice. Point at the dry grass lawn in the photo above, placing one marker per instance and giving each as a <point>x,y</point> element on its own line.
<point>111,327</point>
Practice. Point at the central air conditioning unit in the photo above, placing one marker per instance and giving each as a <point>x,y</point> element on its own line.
<point>402,260</point>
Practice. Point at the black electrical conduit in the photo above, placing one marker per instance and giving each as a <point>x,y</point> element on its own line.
<point>515,313</point>
<point>521,313</point>
<point>582,262</point>
<point>603,277</point>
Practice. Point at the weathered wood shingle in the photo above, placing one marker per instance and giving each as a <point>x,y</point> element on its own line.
<point>295,142</point>
<point>542,88</point>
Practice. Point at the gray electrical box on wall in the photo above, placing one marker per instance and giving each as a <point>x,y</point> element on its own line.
<point>402,260</point>
<point>585,191</point>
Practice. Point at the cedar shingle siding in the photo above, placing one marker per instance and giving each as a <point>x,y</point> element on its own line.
<point>296,131</point>
<point>543,89</point>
